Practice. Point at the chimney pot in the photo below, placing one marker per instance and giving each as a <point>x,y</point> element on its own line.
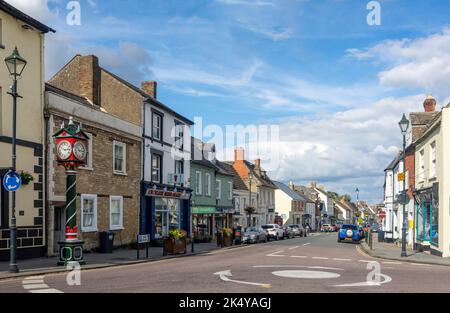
<point>150,88</point>
<point>429,104</point>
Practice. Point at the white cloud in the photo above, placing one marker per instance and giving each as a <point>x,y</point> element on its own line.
<point>37,9</point>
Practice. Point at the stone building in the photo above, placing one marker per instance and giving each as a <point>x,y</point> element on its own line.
<point>27,34</point>
<point>108,187</point>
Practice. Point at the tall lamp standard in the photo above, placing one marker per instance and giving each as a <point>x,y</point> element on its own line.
<point>357,198</point>
<point>404,124</point>
<point>192,227</point>
<point>15,64</point>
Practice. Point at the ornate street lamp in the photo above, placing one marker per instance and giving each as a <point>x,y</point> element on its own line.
<point>249,211</point>
<point>15,64</point>
<point>404,125</point>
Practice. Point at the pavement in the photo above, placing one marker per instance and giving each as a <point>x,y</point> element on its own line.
<point>301,265</point>
<point>94,260</point>
<point>390,251</point>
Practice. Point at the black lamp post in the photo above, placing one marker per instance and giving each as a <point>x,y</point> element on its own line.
<point>192,227</point>
<point>404,124</point>
<point>357,199</point>
<point>250,180</point>
<point>16,64</point>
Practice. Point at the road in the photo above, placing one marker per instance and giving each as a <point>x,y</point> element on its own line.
<point>312,264</point>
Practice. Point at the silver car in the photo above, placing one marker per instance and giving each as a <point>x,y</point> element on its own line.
<point>254,235</point>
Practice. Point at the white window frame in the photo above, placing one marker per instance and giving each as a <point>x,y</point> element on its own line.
<point>124,146</point>
<point>433,159</point>
<point>179,135</point>
<point>421,166</point>
<point>218,189</point>
<point>230,191</point>
<point>160,168</point>
<point>198,183</point>
<point>111,226</point>
<point>159,127</point>
<point>89,165</point>
<point>207,184</point>
<point>92,228</point>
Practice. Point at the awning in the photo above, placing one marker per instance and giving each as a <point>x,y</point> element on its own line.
<point>203,210</point>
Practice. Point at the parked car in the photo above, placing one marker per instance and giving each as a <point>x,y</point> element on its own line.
<point>326,228</point>
<point>298,230</point>
<point>254,235</point>
<point>274,231</point>
<point>350,233</point>
<point>288,232</point>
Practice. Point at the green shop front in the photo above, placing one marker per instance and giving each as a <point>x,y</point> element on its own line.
<point>426,219</point>
<point>203,221</point>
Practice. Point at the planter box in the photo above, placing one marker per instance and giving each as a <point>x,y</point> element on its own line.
<point>174,246</point>
<point>227,241</point>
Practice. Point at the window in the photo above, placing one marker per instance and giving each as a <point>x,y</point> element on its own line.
<point>179,135</point>
<point>244,203</point>
<point>219,188</point>
<point>433,160</point>
<point>208,184</point>
<point>179,167</point>
<point>421,166</point>
<point>88,213</point>
<point>156,168</point>
<point>167,216</point>
<point>198,183</point>
<point>157,126</point>
<point>115,212</point>
<point>89,165</point>
<point>119,156</point>
<point>230,190</point>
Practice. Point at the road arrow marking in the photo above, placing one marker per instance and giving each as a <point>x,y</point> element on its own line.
<point>276,253</point>
<point>224,275</point>
<point>387,279</point>
<point>306,244</point>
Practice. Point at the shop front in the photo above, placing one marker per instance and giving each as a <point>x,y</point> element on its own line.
<point>164,209</point>
<point>224,218</point>
<point>203,223</point>
<point>427,219</point>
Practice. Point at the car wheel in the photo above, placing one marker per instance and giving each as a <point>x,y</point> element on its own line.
<point>339,239</point>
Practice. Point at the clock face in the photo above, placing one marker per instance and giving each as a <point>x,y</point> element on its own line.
<point>64,150</point>
<point>79,150</point>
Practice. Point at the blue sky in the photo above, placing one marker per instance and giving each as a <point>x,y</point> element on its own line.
<point>334,84</point>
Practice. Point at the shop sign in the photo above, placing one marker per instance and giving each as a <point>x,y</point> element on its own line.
<point>401,176</point>
<point>203,210</point>
<point>166,194</point>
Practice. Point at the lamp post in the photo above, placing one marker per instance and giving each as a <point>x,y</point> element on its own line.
<point>404,124</point>
<point>192,227</point>
<point>15,64</point>
<point>250,179</point>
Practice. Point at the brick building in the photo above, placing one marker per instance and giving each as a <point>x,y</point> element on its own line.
<point>108,188</point>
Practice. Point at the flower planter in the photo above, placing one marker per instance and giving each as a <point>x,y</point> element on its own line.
<point>174,246</point>
<point>227,241</point>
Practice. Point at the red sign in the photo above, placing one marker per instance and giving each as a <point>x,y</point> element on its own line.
<point>165,194</point>
<point>382,214</point>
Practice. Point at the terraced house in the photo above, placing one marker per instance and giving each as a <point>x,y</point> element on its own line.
<point>27,34</point>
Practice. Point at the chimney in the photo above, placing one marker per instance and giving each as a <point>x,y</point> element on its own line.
<point>239,154</point>
<point>149,87</point>
<point>429,104</point>
<point>89,78</point>
<point>313,184</point>
<point>257,164</point>
<point>291,185</point>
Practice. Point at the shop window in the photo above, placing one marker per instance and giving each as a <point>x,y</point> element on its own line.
<point>88,213</point>
<point>116,212</point>
<point>167,216</point>
<point>208,184</point>
<point>119,156</point>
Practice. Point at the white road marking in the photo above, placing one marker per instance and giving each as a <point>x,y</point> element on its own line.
<point>50,290</point>
<point>306,274</point>
<point>276,254</point>
<point>306,244</point>
<point>35,286</point>
<point>299,266</point>
<point>398,263</point>
<point>224,275</point>
<point>419,264</point>
<point>344,260</point>
<point>365,261</point>
<point>293,248</point>
<point>299,256</point>
<point>33,281</point>
<point>319,258</point>
<point>34,277</point>
<point>387,279</point>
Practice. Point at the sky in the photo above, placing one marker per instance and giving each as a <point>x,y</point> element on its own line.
<point>335,85</point>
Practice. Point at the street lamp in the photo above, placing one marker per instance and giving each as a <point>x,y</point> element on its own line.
<point>250,180</point>
<point>404,124</point>
<point>192,227</point>
<point>15,64</point>
<point>357,199</point>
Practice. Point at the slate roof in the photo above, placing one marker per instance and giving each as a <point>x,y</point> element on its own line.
<point>291,193</point>
<point>395,161</point>
<point>197,147</point>
<point>4,6</point>
<point>238,183</point>
<point>307,192</point>
<point>265,180</point>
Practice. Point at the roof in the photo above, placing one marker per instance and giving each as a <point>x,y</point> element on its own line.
<point>260,175</point>
<point>421,118</point>
<point>150,99</point>
<point>291,193</point>
<point>82,100</point>
<point>306,192</point>
<point>198,149</point>
<point>4,6</point>
<point>395,161</point>
<point>238,183</point>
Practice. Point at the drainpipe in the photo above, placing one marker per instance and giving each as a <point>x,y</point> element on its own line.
<point>45,151</point>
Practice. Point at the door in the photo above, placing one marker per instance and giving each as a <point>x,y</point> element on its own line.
<point>59,227</point>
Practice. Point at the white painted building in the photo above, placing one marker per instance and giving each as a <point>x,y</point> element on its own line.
<point>328,204</point>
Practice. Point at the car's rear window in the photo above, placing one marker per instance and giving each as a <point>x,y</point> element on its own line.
<point>352,227</point>
<point>268,226</point>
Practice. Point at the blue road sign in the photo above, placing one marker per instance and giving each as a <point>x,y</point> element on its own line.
<point>12,181</point>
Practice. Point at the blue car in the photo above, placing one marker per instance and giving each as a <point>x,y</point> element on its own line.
<point>349,233</point>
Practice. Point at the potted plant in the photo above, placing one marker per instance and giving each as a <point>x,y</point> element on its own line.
<point>176,242</point>
<point>227,235</point>
<point>26,177</point>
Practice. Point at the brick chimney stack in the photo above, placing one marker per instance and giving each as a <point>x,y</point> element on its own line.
<point>89,78</point>
<point>429,104</point>
<point>239,154</point>
<point>313,184</point>
<point>150,88</point>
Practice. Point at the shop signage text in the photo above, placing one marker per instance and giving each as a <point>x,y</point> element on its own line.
<point>166,194</point>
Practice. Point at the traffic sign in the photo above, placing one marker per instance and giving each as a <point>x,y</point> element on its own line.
<point>401,176</point>
<point>12,181</point>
